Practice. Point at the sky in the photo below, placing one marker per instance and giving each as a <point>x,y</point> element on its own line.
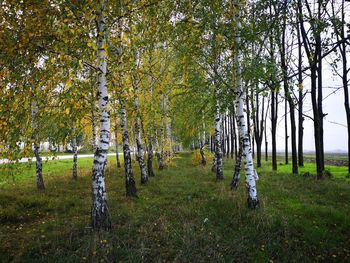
<point>335,131</point>
<point>335,135</point>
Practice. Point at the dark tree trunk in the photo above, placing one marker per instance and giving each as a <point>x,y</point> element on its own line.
<point>316,123</point>
<point>258,127</point>
<point>75,159</point>
<point>232,134</point>
<point>274,97</point>
<point>274,107</point>
<point>315,61</point>
<point>286,137</point>
<point>150,157</point>
<point>288,98</point>
<point>300,101</point>
<point>345,81</point>
<point>320,98</point>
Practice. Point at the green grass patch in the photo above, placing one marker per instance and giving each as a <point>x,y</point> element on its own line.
<point>181,215</point>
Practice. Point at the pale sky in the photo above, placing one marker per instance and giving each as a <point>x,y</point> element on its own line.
<point>335,136</point>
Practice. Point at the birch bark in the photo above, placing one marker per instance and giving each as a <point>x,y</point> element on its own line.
<point>250,173</point>
<point>99,213</point>
<point>38,164</point>
<point>218,150</point>
<point>130,186</point>
<point>140,151</point>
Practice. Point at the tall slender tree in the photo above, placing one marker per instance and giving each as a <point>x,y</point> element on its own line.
<point>100,218</point>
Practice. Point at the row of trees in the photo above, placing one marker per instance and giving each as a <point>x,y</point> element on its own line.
<point>166,74</point>
<point>286,44</point>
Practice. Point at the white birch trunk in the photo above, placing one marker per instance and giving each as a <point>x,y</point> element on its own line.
<point>38,164</point>
<point>150,137</point>
<point>100,214</point>
<point>168,125</point>
<point>201,149</point>
<point>162,134</point>
<point>140,152</point>
<point>203,134</point>
<point>130,186</point>
<point>116,140</point>
<point>253,201</point>
<point>94,140</point>
<point>218,150</point>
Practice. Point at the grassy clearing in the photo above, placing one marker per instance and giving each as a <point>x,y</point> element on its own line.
<point>182,215</point>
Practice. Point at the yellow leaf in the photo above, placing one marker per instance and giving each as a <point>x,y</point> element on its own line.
<point>69,83</point>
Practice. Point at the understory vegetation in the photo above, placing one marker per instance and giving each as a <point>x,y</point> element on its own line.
<point>181,215</point>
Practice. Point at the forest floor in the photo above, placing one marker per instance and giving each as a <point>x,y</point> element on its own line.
<point>181,215</point>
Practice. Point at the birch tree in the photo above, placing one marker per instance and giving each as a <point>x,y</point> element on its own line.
<point>100,218</point>
<point>140,150</point>
<point>250,173</point>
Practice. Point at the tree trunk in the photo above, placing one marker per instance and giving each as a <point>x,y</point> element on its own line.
<point>100,218</point>
<point>75,154</point>
<point>140,151</point>
<point>300,101</point>
<point>313,57</point>
<point>228,135</point>
<point>258,126</point>
<point>150,136</point>
<point>169,143</point>
<point>232,135</point>
<point>320,97</point>
<point>288,99</point>
<point>93,123</point>
<point>274,107</point>
<point>316,123</point>
<point>203,143</point>
<point>222,136</point>
<point>248,118</point>
<point>38,163</point>
<point>218,149</point>
<point>201,150</point>
<point>237,172</point>
<point>116,141</point>
<point>130,186</point>
<point>345,81</point>
<point>274,100</point>
<point>250,173</point>
<point>162,134</point>
<point>286,136</point>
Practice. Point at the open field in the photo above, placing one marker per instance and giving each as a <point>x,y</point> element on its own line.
<point>182,215</point>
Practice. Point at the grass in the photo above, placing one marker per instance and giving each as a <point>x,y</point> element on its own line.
<point>182,215</point>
